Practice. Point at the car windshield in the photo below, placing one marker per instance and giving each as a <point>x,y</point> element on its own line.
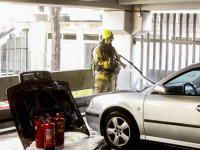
<point>185,84</point>
<point>187,77</point>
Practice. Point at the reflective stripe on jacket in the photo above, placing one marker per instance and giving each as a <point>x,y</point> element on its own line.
<point>98,76</point>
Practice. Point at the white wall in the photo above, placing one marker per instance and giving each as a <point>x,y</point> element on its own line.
<point>135,58</point>
<point>119,22</point>
<point>122,43</point>
<point>74,52</point>
<point>37,45</point>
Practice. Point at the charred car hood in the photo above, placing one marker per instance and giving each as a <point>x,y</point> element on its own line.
<point>36,95</point>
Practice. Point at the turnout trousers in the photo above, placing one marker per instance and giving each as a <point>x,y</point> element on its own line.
<point>103,86</point>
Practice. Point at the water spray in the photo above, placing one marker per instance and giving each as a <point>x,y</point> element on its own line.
<point>140,72</point>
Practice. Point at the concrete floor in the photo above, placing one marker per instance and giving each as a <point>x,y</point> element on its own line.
<point>80,141</point>
<point>73,141</point>
<point>12,142</point>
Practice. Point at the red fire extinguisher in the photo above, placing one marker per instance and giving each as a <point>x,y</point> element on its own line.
<point>60,128</point>
<point>39,132</point>
<point>49,135</point>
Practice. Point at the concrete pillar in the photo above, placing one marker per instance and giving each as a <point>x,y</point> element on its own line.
<point>141,26</point>
<point>135,58</point>
<point>123,44</point>
<point>141,23</point>
<point>120,23</point>
<point>126,25</point>
<point>37,45</point>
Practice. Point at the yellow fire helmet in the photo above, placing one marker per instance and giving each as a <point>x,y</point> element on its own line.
<point>107,34</point>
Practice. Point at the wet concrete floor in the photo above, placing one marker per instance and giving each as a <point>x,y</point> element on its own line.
<point>80,141</point>
<point>145,145</point>
<point>96,142</point>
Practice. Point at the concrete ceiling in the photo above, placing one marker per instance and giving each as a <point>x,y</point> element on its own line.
<point>137,5</point>
<point>133,2</point>
<point>95,4</point>
<point>162,5</point>
<point>168,7</point>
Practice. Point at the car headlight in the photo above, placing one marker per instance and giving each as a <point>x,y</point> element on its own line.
<point>91,104</point>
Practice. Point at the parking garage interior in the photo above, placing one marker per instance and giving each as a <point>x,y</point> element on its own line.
<point>159,37</point>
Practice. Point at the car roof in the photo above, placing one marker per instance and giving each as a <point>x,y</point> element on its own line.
<point>198,63</point>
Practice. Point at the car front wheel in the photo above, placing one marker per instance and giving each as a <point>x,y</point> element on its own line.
<point>120,132</point>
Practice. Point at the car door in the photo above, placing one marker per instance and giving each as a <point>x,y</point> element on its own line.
<point>175,116</point>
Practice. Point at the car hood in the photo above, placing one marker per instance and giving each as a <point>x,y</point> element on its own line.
<point>116,98</point>
<point>36,95</point>
<point>122,94</point>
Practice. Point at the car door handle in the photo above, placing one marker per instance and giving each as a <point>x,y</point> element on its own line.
<point>198,108</point>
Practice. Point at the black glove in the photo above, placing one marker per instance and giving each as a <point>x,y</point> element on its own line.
<point>113,64</point>
<point>116,68</point>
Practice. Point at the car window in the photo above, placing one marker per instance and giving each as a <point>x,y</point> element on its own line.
<point>185,84</point>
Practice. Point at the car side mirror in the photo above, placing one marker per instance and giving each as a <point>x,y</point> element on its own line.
<point>161,89</point>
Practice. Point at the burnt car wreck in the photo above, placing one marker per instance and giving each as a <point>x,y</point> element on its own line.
<point>37,94</point>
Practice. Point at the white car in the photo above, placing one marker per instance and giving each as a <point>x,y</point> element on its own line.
<point>167,112</point>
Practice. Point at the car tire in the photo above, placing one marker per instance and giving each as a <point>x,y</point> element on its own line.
<point>120,131</point>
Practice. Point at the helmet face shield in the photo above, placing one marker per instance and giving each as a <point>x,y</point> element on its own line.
<point>111,36</point>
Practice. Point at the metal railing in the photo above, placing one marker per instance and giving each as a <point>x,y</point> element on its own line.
<point>165,48</point>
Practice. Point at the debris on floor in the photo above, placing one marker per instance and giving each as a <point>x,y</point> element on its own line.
<point>74,140</point>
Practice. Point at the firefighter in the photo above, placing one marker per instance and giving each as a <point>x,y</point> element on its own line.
<point>106,67</point>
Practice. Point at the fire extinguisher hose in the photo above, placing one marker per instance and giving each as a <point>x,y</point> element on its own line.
<point>37,129</point>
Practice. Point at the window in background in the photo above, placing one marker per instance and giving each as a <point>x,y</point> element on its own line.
<point>67,36</point>
<point>94,37</point>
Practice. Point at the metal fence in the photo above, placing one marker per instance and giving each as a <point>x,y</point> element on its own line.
<point>172,44</point>
<point>14,54</point>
